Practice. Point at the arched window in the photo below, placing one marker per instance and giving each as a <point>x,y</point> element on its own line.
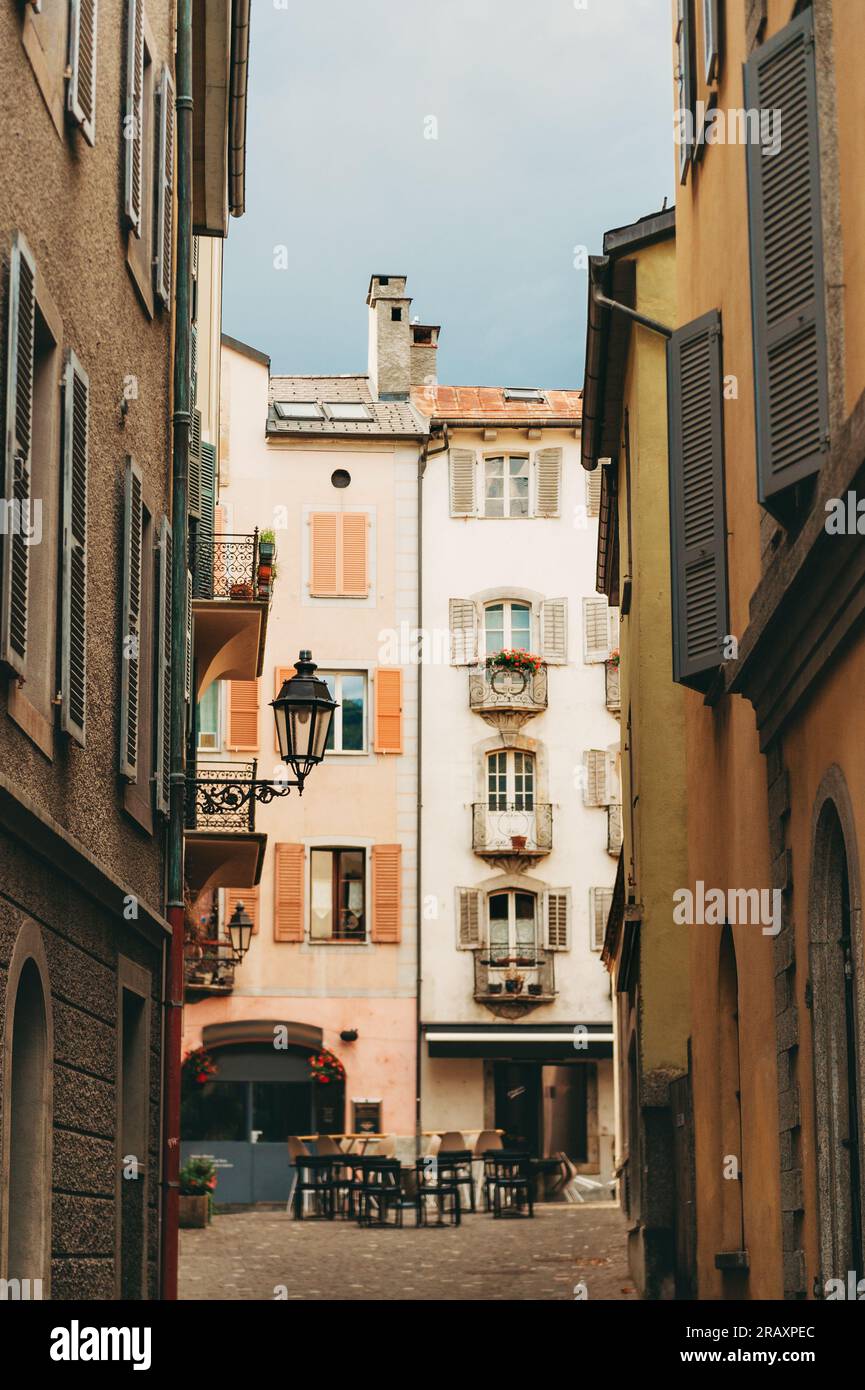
<point>510,780</point>
<point>29,1131</point>
<point>732,1210</point>
<point>507,624</point>
<point>512,928</point>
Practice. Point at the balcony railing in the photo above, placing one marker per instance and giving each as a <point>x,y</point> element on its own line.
<point>614,687</point>
<point>208,966</point>
<point>614,829</point>
<point>528,979</point>
<point>511,829</point>
<point>500,689</point>
<point>215,799</point>
<point>226,567</point>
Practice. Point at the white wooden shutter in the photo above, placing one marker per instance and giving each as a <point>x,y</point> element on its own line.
<point>596,763</point>
<point>557,919</point>
<point>133,124</point>
<point>615,629</point>
<point>163,668</point>
<point>463,485</point>
<point>130,634</point>
<point>17,455</point>
<point>469,919</point>
<point>554,629</point>
<point>593,491</point>
<point>596,630</point>
<point>548,474</point>
<point>73,577</point>
<point>81,91</point>
<point>165,176</point>
<point>464,632</point>
<point>600,900</point>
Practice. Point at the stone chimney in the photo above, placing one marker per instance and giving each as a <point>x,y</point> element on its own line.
<point>424,350</point>
<point>390,351</point>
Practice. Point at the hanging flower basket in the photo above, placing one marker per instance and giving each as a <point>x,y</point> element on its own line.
<point>514,659</point>
<point>198,1067</point>
<point>613,659</point>
<point>326,1069</point>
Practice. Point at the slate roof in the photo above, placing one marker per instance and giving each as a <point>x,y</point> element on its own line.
<point>389,418</point>
<point>487,404</point>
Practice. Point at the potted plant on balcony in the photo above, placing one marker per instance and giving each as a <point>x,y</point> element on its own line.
<point>518,843</point>
<point>197,1182</point>
<point>266,561</point>
<point>514,659</point>
<point>514,982</point>
<point>494,987</point>
<point>241,590</point>
<point>535,989</point>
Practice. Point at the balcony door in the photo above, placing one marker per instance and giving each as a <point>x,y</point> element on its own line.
<point>510,797</point>
<point>512,929</point>
<point>507,625</point>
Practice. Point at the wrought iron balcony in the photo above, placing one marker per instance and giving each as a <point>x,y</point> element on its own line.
<point>226,567</point>
<point>614,687</point>
<point>217,797</point>
<point>503,831</point>
<point>614,829</point>
<point>506,698</point>
<point>208,967</point>
<point>517,982</point>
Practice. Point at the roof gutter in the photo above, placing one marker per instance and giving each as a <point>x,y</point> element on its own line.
<point>238,87</point>
<point>482,424</point>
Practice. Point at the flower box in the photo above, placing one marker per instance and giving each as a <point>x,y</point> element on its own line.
<point>194,1212</point>
<point>514,659</point>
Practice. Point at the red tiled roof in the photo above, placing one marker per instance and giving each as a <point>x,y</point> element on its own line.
<point>488,403</point>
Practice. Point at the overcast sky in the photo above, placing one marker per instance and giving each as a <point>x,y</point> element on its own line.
<point>553,122</point>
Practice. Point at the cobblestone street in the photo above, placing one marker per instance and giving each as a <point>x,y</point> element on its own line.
<point>248,1255</point>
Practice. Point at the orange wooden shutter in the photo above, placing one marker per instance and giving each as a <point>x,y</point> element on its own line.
<point>281,674</point>
<point>243,716</point>
<point>249,898</point>
<point>323,565</point>
<point>353,554</point>
<point>219,520</point>
<point>388,709</point>
<point>386,864</point>
<point>288,871</point>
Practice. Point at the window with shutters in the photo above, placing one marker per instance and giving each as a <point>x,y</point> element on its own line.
<point>463,482</point>
<point>600,900</point>
<point>388,709</point>
<point>593,491</point>
<point>337,895</point>
<point>289,868</point>
<point>164,227</point>
<point>547,482</point>
<point>73,570</point>
<point>598,630</point>
<point>463,616</point>
<point>506,485</point>
<point>243,708</point>
<point>138,657</point>
<point>133,117</point>
<point>787,275</point>
<point>557,903</point>
<point>45,39</point>
<point>698,532</point>
<point>512,929</point>
<point>600,777</point>
<point>686,87</point>
<point>469,919</point>
<point>81,81</point>
<point>507,625</point>
<point>338,562</point>
<point>386,893</point>
<point>348,732</point>
<point>207,718</point>
<point>140,187</point>
<point>554,630</point>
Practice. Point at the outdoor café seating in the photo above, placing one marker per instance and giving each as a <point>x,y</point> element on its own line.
<point>436,1188</point>
<point>510,1183</point>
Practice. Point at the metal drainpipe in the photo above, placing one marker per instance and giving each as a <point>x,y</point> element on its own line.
<point>181,421</point>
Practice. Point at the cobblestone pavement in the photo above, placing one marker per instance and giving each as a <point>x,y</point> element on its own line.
<point>247,1255</point>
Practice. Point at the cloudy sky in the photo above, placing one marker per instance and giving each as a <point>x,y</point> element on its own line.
<point>553,122</point>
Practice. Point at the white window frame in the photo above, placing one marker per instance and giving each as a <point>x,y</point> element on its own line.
<point>506,457</point>
<point>287,410</point>
<point>337,844</point>
<point>363,413</point>
<point>513,948</point>
<point>507,606</point>
<point>217,746</point>
<point>510,756</point>
<point>337,674</point>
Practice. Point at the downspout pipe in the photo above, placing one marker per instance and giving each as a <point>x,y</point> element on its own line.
<point>181,421</point>
<point>642,319</point>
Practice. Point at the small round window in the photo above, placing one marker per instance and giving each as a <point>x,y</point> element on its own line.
<point>341,478</point>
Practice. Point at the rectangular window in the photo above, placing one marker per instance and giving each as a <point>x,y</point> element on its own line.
<point>338,555</point>
<point>208,718</point>
<point>512,929</point>
<point>507,625</point>
<point>298,410</point>
<point>348,410</point>
<point>348,730</point>
<point>338,884</point>
<point>506,485</point>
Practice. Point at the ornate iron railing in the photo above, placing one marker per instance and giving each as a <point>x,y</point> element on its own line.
<point>614,829</point>
<point>532,981</point>
<point>499,688</point>
<point>217,797</point>
<point>225,566</point>
<point>614,687</point>
<point>511,829</point>
<point>208,966</point>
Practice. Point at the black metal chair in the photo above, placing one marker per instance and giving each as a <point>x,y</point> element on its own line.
<point>441,1189</point>
<point>455,1165</point>
<point>380,1194</point>
<point>511,1183</point>
<point>319,1175</point>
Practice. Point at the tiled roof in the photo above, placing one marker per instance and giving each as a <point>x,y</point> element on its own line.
<point>389,417</point>
<point>487,403</point>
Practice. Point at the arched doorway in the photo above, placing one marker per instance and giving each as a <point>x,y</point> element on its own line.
<point>836,979</point>
<point>28,1057</point>
<point>731,1258</point>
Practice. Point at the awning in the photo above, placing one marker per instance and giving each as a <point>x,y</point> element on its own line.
<point>521,1042</point>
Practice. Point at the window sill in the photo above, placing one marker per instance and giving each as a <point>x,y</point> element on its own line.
<point>312,941</point>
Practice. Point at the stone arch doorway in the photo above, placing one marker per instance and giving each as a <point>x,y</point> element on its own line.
<point>731,1259</point>
<point>27,1096</point>
<point>837,981</point>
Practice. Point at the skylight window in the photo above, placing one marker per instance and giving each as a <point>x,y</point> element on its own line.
<point>524,393</point>
<point>348,410</point>
<point>298,410</point>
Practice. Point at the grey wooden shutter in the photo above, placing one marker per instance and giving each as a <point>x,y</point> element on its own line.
<point>596,764</point>
<point>469,918</point>
<point>187,683</point>
<point>130,636</point>
<point>554,630</point>
<point>81,91</point>
<point>17,456</point>
<point>787,289</point>
<point>557,919</point>
<point>193,493</point>
<point>548,474</point>
<point>600,901</point>
<point>73,578</point>
<point>462,482</point>
<point>163,669</point>
<point>464,632</point>
<point>593,491</point>
<point>698,532</point>
<point>596,630</point>
<point>165,178</point>
<point>133,126</point>
<point>202,581</point>
<point>711,40</point>
<point>685,83</point>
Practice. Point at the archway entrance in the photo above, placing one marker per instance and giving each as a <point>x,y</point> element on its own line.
<point>29,1132</point>
<point>836,976</point>
<point>732,1255</point>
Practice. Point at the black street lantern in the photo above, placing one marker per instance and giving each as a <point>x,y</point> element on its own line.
<point>303,711</point>
<point>240,932</point>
